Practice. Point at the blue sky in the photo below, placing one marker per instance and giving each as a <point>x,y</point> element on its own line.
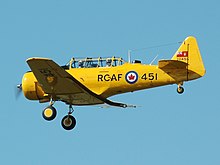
<point>166,129</point>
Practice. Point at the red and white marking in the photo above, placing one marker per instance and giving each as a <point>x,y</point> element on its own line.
<point>131,77</point>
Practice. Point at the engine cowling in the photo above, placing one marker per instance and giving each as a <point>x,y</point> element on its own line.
<point>31,88</point>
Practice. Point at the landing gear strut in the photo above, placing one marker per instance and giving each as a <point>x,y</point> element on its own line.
<point>69,122</point>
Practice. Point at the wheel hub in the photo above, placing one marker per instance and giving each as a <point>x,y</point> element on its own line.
<point>68,122</point>
<point>48,112</point>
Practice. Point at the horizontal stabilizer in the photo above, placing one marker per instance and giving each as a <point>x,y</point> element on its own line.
<point>176,69</point>
<point>171,64</point>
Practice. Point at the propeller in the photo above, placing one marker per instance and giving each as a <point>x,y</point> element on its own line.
<point>18,91</point>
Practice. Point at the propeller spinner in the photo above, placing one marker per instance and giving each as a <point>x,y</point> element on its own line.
<point>18,91</point>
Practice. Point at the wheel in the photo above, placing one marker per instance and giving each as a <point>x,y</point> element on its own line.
<point>49,113</point>
<point>68,122</point>
<point>180,90</point>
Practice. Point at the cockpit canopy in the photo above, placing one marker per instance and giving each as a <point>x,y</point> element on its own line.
<point>95,62</point>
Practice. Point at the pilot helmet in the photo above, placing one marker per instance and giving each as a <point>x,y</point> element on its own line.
<point>108,61</point>
<point>80,63</point>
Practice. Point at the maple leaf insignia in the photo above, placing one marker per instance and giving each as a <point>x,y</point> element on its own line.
<point>131,77</point>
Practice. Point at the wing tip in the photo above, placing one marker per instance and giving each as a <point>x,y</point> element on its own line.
<point>37,58</point>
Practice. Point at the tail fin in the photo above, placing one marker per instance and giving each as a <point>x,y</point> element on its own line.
<point>189,53</point>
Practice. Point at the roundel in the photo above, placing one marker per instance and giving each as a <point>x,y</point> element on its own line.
<point>131,77</point>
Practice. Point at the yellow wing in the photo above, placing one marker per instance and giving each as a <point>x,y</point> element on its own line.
<point>58,83</point>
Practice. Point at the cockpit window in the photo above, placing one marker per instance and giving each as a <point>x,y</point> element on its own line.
<point>95,62</point>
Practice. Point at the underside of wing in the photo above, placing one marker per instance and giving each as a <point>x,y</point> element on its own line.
<point>58,83</point>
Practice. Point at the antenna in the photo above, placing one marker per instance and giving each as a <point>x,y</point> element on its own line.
<point>150,47</point>
<point>154,59</point>
<point>129,56</point>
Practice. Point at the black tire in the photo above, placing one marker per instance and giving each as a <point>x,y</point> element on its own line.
<point>49,113</point>
<point>68,122</point>
<point>180,90</point>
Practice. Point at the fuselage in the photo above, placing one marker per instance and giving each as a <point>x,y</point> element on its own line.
<point>109,81</point>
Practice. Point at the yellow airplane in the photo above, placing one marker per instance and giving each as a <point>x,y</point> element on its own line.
<point>91,81</point>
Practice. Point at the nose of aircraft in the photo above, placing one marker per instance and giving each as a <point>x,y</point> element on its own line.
<point>31,88</point>
<point>28,86</point>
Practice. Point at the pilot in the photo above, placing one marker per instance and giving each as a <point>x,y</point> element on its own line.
<point>80,64</point>
<point>108,62</point>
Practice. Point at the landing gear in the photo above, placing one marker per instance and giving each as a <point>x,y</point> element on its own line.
<point>69,122</point>
<point>49,113</point>
<point>180,89</point>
